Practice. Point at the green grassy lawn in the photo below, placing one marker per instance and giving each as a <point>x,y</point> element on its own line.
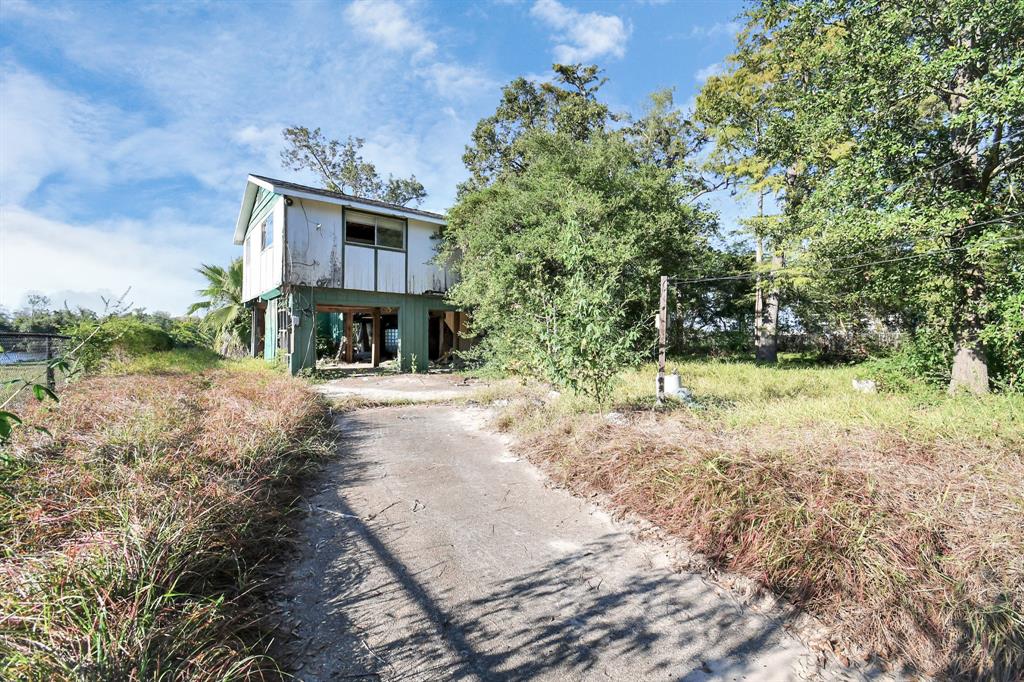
<point>895,518</point>
<point>132,539</point>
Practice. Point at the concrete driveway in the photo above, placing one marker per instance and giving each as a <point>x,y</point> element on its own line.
<point>431,553</point>
<point>399,387</point>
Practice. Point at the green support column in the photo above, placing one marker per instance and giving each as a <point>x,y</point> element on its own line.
<point>413,325</point>
<point>412,334</point>
<point>301,305</point>
<point>270,331</point>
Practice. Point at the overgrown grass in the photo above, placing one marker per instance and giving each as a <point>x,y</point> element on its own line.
<point>176,361</point>
<point>895,518</point>
<point>133,539</point>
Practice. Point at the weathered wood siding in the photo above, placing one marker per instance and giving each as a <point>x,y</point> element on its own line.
<point>359,267</point>
<point>314,243</point>
<point>262,268</point>
<point>318,256</point>
<point>423,274</point>
<point>391,271</point>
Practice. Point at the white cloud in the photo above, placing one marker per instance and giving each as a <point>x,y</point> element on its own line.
<point>708,71</point>
<point>457,81</point>
<point>583,36</point>
<point>388,22</point>
<point>43,131</point>
<point>54,257</point>
<point>718,29</point>
<point>182,100</point>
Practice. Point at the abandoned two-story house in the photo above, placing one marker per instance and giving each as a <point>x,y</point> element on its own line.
<point>347,279</point>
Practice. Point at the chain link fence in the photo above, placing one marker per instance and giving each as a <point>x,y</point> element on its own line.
<point>26,356</point>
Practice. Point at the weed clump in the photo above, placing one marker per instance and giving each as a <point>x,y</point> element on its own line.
<point>133,538</point>
<point>896,521</point>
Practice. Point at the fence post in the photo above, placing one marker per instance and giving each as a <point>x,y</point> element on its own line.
<point>662,324</point>
<point>50,379</point>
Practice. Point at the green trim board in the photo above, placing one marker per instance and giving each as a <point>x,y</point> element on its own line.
<point>270,295</point>
<point>270,330</point>
<point>413,322</point>
<point>264,203</point>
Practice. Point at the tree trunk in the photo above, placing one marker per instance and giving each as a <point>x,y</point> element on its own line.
<point>768,346</point>
<point>970,371</point>
<point>758,287</point>
<point>970,367</point>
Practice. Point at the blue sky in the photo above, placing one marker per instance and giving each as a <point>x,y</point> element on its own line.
<point>127,129</point>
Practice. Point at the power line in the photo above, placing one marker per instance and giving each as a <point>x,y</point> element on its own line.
<point>756,273</point>
<point>1003,219</point>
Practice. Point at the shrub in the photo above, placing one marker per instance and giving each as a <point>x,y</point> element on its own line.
<point>190,333</point>
<point>118,338</point>
<point>919,361</point>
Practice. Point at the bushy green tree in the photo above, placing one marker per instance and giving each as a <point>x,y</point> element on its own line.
<point>910,120</point>
<point>567,106</point>
<point>560,261</point>
<point>115,338</point>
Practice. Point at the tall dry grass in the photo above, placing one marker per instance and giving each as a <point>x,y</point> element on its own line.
<point>899,520</point>
<point>133,539</point>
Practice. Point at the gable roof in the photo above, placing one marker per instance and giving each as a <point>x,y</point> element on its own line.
<point>292,189</point>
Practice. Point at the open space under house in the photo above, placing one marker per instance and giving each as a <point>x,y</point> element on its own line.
<point>334,280</point>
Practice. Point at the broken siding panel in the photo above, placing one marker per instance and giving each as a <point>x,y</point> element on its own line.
<point>391,271</point>
<point>359,271</point>
<point>314,243</point>
<point>423,274</point>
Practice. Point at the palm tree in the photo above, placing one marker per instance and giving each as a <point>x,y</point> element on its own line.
<point>222,301</point>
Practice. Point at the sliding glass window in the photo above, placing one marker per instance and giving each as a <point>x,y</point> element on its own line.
<point>372,230</point>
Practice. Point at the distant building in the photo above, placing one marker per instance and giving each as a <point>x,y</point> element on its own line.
<point>355,277</point>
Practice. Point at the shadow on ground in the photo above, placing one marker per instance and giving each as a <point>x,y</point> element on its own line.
<point>368,607</point>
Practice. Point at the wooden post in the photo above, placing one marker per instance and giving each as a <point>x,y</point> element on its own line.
<point>51,382</point>
<point>375,339</point>
<point>440,334</point>
<point>662,324</point>
<point>347,327</point>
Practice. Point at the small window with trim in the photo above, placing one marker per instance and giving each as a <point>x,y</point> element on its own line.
<point>267,231</point>
<point>370,230</point>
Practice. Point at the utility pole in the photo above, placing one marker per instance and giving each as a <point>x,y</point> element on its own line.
<point>662,324</point>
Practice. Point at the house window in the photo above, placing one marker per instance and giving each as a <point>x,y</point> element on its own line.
<point>371,230</point>
<point>267,231</point>
<point>360,230</point>
<point>390,233</point>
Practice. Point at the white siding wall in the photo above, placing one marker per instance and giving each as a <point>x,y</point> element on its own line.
<point>424,275</point>
<point>359,267</point>
<point>314,243</point>
<point>262,269</point>
<point>391,271</point>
